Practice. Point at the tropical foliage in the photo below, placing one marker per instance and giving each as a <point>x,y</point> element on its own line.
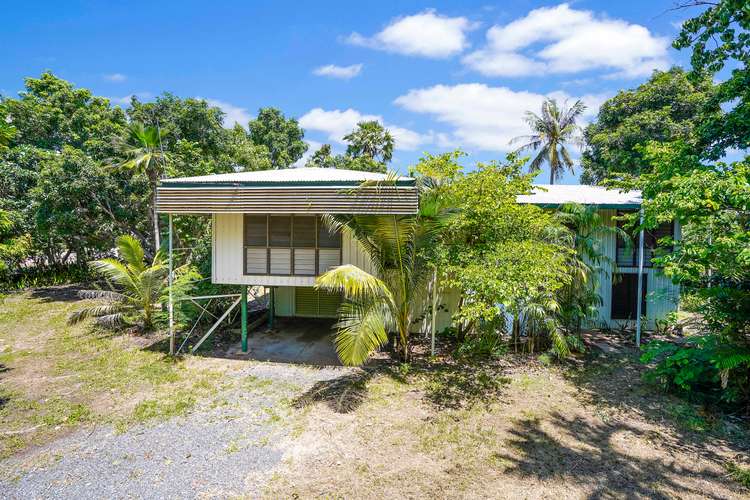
<point>386,302</point>
<point>280,135</point>
<point>579,300</point>
<point>552,132</point>
<point>143,152</point>
<point>502,257</point>
<point>669,106</point>
<point>369,148</point>
<point>137,287</point>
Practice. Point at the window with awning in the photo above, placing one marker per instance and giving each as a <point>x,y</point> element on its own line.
<point>289,245</point>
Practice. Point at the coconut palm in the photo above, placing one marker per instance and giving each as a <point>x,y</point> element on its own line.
<point>376,305</point>
<point>551,132</point>
<point>136,288</point>
<point>371,140</point>
<point>142,149</point>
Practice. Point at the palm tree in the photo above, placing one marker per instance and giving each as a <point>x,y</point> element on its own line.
<point>376,305</point>
<point>136,288</point>
<point>580,299</point>
<point>142,149</point>
<point>372,140</point>
<point>550,134</point>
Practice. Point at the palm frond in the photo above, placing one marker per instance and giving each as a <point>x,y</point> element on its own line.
<point>96,311</point>
<point>362,328</point>
<point>353,283</point>
<point>101,294</point>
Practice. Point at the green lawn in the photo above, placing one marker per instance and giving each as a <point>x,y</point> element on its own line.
<point>55,377</point>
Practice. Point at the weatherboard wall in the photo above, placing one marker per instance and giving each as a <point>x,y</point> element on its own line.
<point>227,256</point>
<point>661,294</point>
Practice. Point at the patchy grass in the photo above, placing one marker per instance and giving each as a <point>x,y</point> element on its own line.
<point>586,429</point>
<point>55,377</point>
<point>739,473</point>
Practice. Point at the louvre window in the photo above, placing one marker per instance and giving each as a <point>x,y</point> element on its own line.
<point>624,296</point>
<point>289,245</point>
<point>304,232</point>
<point>327,239</point>
<point>256,233</point>
<point>280,231</point>
<point>627,255</point>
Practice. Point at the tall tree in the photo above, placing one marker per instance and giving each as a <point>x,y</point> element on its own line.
<point>143,151</point>
<point>282,136</point>
<point>669,106</point>
<point>324,158</point>
<point>719,39</point>
<point>551,133</point>
<point>370,140</point>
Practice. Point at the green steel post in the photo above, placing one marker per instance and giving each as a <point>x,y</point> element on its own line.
<point>271,308</point>
<point>243,315</point>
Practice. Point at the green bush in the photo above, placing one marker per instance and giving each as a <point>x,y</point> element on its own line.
<point>34,277</point>
<point>702,368</point>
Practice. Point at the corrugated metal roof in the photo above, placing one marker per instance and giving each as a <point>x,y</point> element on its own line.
<point>554,195</point>
<point>288,176</point>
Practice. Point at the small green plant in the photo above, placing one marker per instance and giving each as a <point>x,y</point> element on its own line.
<point>738,473</point>
<point>703,367</point>
<point>136,287</point>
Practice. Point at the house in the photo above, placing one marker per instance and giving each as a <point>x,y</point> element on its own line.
<point>267,227</point>
<point>267,231</point>
<point>618,280</point>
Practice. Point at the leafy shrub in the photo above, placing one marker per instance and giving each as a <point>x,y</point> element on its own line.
<point>34,277</point>
<point>703,368</point>
<point>484,344</point>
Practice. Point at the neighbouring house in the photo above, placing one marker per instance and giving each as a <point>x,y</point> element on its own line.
<point>618,280</point>
<point>268,232</point>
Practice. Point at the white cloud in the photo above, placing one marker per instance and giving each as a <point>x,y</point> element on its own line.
<point>232,114</point>
<point>115,77</point>
<point>343,72</point>
<point>484,117</point>
<point>336,124</point>
<point>564,40</point>
<point>426,34</point>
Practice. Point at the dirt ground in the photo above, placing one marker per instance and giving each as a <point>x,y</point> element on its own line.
<point>514,428</point>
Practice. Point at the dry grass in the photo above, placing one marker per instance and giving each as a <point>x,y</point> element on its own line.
<point>514,431</point>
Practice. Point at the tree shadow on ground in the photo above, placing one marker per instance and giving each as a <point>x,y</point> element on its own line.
<point>63,293</point>
<point>574,450</point>
<point>462,385</point>
<point>614,381</point>
<point>444,386</point>
<point>342,394</point>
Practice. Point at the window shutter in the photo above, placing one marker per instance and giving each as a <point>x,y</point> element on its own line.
<point>280,231</point>
<point>255,230</point>
<point>326,239</point>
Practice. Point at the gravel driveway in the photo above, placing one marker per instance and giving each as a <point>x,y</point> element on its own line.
<point>227,447</point>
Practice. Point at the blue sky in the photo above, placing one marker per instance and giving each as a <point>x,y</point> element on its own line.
<point>440,76</point>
